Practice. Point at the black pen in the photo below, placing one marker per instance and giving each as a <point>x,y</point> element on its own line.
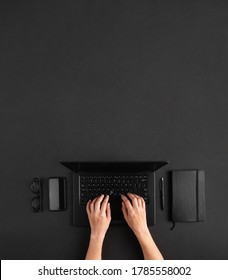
<point>162,193</point>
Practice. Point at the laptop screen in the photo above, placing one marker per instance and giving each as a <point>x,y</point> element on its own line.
<point>139,166</point>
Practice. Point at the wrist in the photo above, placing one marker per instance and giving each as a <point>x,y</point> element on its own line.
<point>97,237</point>
<point>142,233</point>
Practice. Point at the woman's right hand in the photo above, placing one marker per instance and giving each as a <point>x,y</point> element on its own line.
<point>134,212</point>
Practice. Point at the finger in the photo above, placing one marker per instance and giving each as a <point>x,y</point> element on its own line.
<point>108,211</point>
<point>97,205</point>
<point>124,210</point>
<point>143,203</point>
<point>88,207</point>
<point>139,201</point>
<point>104,204</point>
<point>91,205</point>
<point>126,202</point>
<point>134,199</point>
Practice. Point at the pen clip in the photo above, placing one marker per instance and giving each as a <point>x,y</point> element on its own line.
<point>160,184</point>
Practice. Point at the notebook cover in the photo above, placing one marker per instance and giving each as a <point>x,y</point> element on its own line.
<point>188,196</point>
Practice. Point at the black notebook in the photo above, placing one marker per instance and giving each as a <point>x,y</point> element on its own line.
<point>188,196</point>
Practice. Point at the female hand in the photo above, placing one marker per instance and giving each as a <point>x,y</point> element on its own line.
<point>99,214</point>
<point>135,212</point>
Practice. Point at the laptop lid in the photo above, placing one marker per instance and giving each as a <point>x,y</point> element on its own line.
<point>125,166</point>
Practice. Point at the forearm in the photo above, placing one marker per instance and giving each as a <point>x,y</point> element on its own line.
<point>149,248</point>
<point>95,248</point>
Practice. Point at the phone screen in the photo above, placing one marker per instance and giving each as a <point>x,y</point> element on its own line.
<point>57,193</point>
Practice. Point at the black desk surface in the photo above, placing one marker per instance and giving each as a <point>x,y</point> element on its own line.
<point>111,81</point>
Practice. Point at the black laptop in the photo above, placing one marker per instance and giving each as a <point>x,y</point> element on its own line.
<point>90,179</point>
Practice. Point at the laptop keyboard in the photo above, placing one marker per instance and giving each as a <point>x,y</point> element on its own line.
<point>93,185</point>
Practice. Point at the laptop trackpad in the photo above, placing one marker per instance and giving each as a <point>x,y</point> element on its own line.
<point>116,213</point>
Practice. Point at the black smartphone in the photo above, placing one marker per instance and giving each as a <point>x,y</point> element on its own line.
<point>57,193</point>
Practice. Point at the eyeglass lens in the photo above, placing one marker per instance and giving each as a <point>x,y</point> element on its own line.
<point>35,188</point>
<point>36,204</point>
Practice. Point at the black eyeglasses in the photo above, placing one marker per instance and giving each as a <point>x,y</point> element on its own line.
<point>36,189</point>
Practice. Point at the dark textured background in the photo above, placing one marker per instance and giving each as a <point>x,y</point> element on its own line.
<point>111,81</point>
